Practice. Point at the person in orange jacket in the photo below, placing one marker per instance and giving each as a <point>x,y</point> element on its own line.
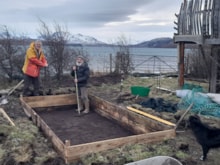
<point>34,61</point>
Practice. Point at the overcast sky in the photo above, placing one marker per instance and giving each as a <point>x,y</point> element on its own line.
<point>106,20</point>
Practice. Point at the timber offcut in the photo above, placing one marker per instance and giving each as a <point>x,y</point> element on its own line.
<point>71,134</point>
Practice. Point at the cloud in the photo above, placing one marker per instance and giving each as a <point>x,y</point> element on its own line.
<point>99,17</point>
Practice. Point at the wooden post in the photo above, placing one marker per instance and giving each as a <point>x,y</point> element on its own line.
<point>213,81</point>
<point>67,144</point>
<point>181,63</point>
<point>110,55</point>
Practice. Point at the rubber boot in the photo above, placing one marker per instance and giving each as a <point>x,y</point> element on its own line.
<point>86,103</point>
<point>80,108</point>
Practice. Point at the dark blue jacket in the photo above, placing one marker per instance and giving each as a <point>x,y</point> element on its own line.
<point>83,73</point>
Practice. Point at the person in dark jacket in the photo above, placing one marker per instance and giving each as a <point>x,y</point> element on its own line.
<point>82,72</point>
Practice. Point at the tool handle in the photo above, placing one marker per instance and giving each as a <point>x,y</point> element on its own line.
<point>15,87</point>
<point>77,92</point>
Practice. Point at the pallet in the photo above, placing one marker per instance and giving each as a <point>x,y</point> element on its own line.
<point>145,129</point>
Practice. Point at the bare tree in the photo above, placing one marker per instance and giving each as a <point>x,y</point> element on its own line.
<point>11,58</point>
<point>123,59</point>
<point>56,42</point>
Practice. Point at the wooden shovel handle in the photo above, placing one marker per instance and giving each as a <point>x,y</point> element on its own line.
<point>77,93</point>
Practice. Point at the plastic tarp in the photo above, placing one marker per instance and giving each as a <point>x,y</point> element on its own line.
<point>202,103</point>
<point>159,105</point>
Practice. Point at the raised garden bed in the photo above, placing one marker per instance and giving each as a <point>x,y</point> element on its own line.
<point>107,126</point>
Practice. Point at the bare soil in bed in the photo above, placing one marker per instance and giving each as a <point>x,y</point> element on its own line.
<point>81,128</point>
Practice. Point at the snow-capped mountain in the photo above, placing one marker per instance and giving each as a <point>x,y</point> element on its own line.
<point>80,39</point>
<point>83,39</point>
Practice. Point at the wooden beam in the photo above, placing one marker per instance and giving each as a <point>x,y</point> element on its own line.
<point>128,119</point>
<point>151,116</point>
<point>50,101</point>
<point>196,39</point>
<point>166,90</point>
<point>77,151</point>
<point>6,116</point>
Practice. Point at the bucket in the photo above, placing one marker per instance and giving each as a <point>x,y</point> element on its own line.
<point>140,91</point>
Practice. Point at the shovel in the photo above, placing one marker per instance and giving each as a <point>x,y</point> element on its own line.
<point>4,99</point>
<point>77,94</point>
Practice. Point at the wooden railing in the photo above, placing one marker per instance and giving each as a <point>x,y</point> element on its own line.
<point>199,17</point>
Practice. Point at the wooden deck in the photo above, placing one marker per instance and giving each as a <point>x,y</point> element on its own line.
<point>145,129</point>
<point>198,22</point>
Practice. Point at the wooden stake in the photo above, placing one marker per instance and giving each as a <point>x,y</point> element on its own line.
<point>183,115</point>
<point>15,87</point>
<point>6,116</point>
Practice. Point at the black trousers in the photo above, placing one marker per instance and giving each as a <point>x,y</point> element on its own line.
<point>31,82</point>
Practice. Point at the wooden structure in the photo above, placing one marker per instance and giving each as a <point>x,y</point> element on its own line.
<point>145,129</point>
<point>199,23</point>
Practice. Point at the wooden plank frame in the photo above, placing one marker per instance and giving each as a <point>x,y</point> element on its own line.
<point>146,130</point>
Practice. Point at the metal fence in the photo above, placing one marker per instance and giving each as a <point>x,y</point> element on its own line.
<point>140,64</point>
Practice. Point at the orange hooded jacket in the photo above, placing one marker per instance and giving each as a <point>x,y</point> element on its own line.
<point>33,63</point>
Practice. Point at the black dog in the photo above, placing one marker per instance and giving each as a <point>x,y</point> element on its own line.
<point>206,136</point>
